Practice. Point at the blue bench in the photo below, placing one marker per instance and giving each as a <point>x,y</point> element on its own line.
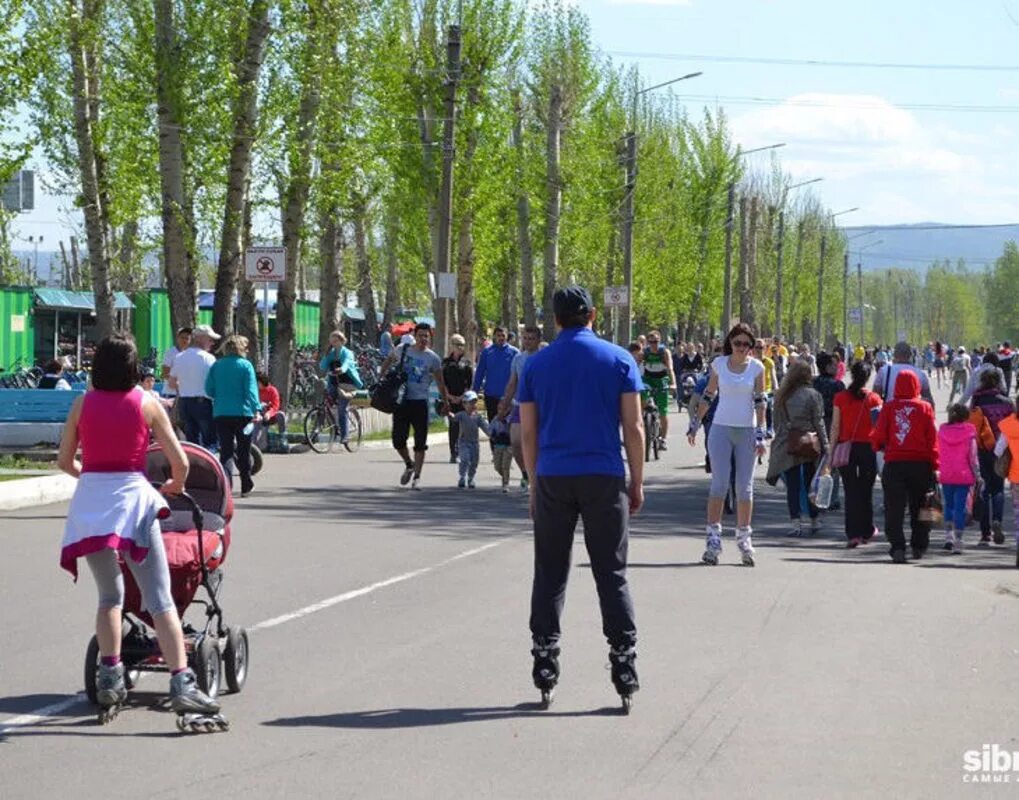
<point>36,405</point>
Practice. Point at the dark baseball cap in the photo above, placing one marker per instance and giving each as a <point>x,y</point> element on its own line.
<point>571,301</point>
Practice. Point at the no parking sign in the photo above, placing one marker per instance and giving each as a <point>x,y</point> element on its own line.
<point>616,296</point>
<point>265,264</point>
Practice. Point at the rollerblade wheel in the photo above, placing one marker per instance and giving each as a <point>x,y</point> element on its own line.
<point>627,702</point>
<point>546,698</point>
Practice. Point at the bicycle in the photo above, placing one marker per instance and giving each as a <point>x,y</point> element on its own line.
<point>321,431</point>
<point>652,430</point>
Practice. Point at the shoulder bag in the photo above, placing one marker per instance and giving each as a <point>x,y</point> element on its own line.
<point>386,395</point>
<point>802,443</point>
<point>840,453</point>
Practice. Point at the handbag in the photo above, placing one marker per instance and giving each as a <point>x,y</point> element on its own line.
<point>1003,463</point>
<point>841,452</point>
<point>387,393</point>
<point>803,444</point>
<point>932,507</point>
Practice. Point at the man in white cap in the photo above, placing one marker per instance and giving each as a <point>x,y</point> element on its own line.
<point>961,369</point>
<point>189,370</point>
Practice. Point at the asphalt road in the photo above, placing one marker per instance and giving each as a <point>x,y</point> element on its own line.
<point>390,656</point>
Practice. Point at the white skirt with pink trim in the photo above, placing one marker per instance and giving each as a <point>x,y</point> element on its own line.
<point>115,510</point>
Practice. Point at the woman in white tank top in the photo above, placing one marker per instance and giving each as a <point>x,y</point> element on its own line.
<point>736,435</point>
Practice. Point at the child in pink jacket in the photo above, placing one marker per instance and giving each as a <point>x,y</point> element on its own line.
<point>960,470</point>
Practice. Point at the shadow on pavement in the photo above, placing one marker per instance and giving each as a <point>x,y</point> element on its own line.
<point>425,717</point>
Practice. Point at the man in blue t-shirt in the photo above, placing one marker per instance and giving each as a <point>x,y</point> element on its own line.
<point>574,396</point>
<point>493,372</point>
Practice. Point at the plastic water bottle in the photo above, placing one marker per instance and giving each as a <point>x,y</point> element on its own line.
<point>823,487</point>
<point>249,429</point>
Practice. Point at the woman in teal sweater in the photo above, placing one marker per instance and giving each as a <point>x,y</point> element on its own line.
<point>235,405</point>
<point>341,367</point>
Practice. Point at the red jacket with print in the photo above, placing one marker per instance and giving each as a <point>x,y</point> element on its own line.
<point>905,429</point>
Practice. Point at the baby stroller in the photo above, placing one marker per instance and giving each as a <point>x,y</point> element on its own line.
<point>196,536</point>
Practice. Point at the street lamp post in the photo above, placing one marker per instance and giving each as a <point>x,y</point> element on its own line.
<point>859,278</point>
<point>818,335</point>
<point>778,252</point>
<point>631,188</point>
<point>729,215</point>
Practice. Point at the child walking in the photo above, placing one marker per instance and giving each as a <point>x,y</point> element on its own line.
<point>470,421</point>
<point>502,451</point>
<point>960,470</point>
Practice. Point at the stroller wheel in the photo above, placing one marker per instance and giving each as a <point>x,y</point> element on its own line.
<point>256,459</point>
<point>208,667</point>
<point>91,670</point>
<point>235,658</point>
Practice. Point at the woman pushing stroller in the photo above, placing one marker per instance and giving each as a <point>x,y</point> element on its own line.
<point>115,510</point>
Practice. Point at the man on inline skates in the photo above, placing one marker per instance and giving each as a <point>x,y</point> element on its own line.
<point>574,396</point>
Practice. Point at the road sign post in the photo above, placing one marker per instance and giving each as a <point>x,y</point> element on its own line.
<point>265,265</point>
<point>616,297</point>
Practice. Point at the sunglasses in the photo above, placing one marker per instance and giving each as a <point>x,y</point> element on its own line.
<point>742,343</point>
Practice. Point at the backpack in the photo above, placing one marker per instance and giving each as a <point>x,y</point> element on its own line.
<point>388,392</point>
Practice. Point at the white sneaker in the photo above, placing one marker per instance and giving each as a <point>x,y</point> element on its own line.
<point>414,484</point>
<point>796,527</point>
<point>505,489</point>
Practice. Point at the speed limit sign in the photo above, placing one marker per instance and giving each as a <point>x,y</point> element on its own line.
<point>616,296</point>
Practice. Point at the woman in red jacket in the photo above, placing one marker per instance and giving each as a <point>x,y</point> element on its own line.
<point>905,430</point>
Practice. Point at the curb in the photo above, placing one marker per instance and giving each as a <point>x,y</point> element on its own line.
<point>36,491</point>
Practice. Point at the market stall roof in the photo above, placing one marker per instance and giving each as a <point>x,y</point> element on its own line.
<point>354,314</point>
<point>62,300</point>
<point>426,320</point>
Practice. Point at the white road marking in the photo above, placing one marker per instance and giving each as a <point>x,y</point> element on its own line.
<point>53,709</point>
<point>342,598</point>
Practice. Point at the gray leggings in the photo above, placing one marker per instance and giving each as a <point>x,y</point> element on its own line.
<point>724,443</point>
<point>152,576</point>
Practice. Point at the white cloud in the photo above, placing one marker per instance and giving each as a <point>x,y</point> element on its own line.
<point>897,166</point>
<point>649,2</point>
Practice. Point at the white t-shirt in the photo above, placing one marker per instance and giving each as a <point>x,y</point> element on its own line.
<point>190,368</point>
<point>736,393</point>
<point>168,359</point>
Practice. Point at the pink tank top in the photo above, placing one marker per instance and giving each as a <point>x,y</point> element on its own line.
<point>113,433</point>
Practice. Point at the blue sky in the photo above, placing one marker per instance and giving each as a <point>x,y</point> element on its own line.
<point>897,164</point>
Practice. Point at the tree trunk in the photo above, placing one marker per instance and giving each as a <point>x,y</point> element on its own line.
<point>523,215</point>
<point>245,116</point>
<point>465,297</point>
<point>297,190</point>
<point>65,276</point>
<point>330,280</point>
<point>181,281</point>
<point>392,302</point>
<point>247,303</point>
<point>553,208</point>
<point>365,289</point>
<point>744,261</point>
<point>84,24</point>
<point>751,318</point>
<point>76,281</point>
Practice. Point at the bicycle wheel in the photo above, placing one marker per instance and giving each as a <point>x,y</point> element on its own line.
<point>320,430</point>
<point>354,433</point>
<point>648,433</point>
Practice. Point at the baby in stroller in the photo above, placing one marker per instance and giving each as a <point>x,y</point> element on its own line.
<point>113,523</point>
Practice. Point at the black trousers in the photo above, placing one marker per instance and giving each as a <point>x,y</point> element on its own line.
<point>492,406</point>
<point>905,484</point>
<point>858,477</point>
<point>235,446</point>
<point>602,503</point>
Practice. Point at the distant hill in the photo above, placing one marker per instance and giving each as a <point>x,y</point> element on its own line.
<point>916,246</point>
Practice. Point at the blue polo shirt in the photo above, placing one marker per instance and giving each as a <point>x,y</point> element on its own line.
<point>494,369</point>
<point>576,383</point>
